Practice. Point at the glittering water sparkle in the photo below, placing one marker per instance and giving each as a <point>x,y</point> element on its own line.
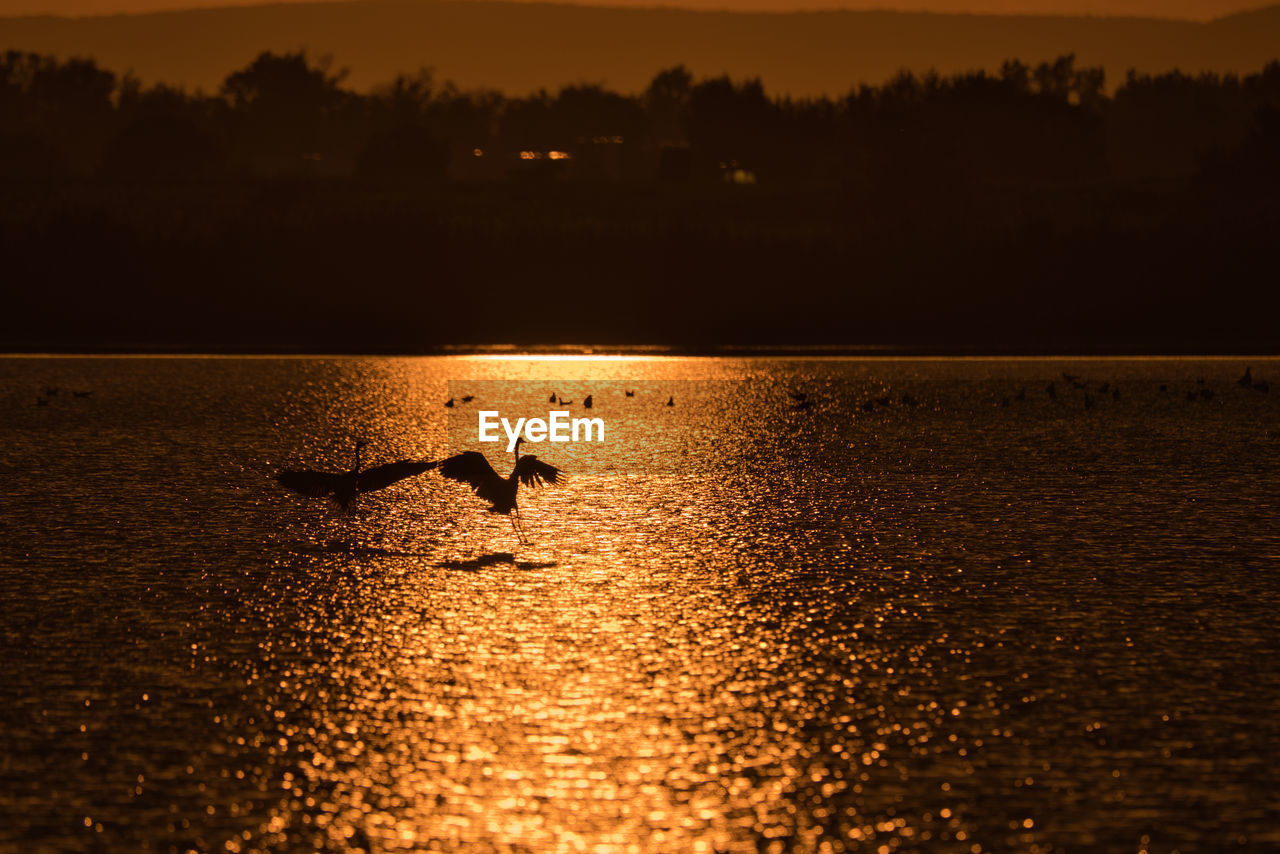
<point>971,623</point>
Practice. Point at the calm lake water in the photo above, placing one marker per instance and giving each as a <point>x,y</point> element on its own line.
<point>955,626</point>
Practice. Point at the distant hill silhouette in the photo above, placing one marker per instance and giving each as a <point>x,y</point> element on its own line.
<point>521,47</point>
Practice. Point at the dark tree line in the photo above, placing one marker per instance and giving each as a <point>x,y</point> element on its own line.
<point>286,116</point>
<point>1029,209</point>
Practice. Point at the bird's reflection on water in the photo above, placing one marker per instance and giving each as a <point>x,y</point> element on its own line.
<point>946,625</point>
<point>495,559</point>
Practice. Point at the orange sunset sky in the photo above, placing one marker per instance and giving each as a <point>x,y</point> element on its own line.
<point>1185,9</point>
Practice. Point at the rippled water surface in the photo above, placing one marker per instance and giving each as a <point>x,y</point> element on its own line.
<point>976,623</point>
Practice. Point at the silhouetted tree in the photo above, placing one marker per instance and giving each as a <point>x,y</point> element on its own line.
<point>165,135</point>
<point>289,115</point>
<point>667,100</point>
<point>66,103</point>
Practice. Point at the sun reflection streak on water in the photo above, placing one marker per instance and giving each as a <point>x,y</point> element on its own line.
<point>932,627</point>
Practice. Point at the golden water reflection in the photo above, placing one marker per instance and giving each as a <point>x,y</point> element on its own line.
<point>957,626</point>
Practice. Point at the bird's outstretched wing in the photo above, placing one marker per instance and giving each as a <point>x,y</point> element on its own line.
<point>315,484</point>
<point>380,477</point>
<point>470,468</point>
<point>533,471</point>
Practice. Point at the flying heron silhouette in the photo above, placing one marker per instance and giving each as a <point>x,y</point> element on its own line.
<point>474,470</point>
<point>346,487</point>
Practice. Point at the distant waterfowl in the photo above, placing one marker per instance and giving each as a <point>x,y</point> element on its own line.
<point>1088,401</point>
<point>587,402</point>
<point>42,401</point>
<point>1051,390</point>
<point>474,470</point>
<point>868,405</point>
<point>468,398</point>
<point>1206,393</point>
<point>630,393</point>
<point>1104,388</point>
<point>1164,388</point>
<point>82,393</point>
<point>1115,393</point>
<point>552,399</point>
<point>884,401</point>
<point>1004,401</point>
<point>1248,382</point>
<point>1071,378</point>
<point>1021,395</point>
<point>1191,395</point>
<point>50,390</point>
<point>908,400</point>
<point>671,401</point>
<point>345,488</point>
<point>801,401</point>
<point>564,402</point>
<point>449,403</point>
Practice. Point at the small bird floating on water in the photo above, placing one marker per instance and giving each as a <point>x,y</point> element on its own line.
<point>1247,381</point>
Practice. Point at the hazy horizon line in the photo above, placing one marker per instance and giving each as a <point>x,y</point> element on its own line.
<point>804,351</point>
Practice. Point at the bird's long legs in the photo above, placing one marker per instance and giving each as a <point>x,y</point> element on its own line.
<point>518,526</point>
